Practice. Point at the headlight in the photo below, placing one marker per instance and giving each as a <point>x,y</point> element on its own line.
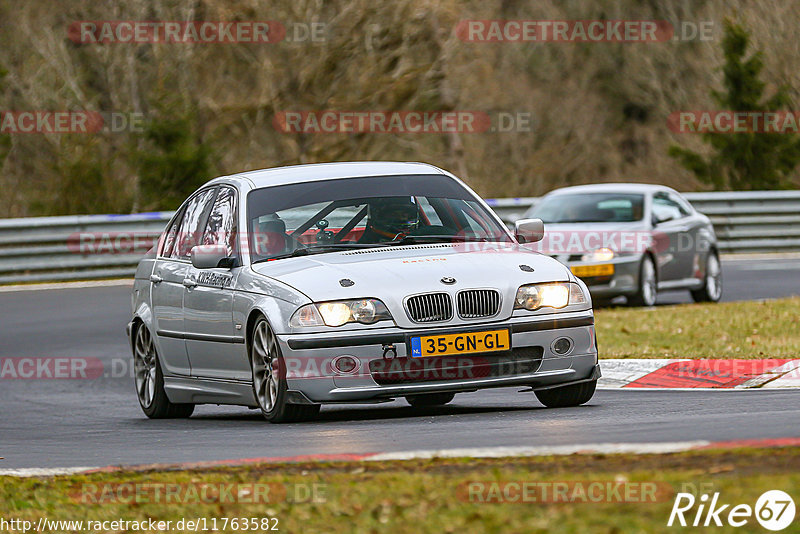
<point>601,254</point>
<point>555,295</point>
<point>338,313</point>
<point>576,295</point>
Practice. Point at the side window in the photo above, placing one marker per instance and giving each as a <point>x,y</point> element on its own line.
<point>169,236</point>
<point>221,226</point>
<point>682,205</point>
<point>192,224</point>
<point>665,209</point>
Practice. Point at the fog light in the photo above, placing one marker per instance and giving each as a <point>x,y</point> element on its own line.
<point>562,346</point>
<point>345,365</point>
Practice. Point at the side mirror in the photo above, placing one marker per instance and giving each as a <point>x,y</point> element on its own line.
<point>211,257</point>
<point>529,230</point>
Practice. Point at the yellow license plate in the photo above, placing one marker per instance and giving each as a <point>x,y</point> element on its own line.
<point>463,343</point>
<point>593,270</point>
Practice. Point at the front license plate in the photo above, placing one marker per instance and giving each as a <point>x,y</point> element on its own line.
<point>593,270</point>
<point>463,343</point>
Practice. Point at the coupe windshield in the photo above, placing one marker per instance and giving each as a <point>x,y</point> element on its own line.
<point>589,207</point>
<point>331,215</point>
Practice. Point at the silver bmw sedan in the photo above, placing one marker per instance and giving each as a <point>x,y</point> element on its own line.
<point>285,289</point>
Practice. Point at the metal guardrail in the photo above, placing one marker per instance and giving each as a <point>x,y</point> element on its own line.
<point>39,249</point>
<point>51,248</point>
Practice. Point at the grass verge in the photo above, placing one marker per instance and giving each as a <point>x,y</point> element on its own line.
<point>420,496</point>
<point>761,329</point>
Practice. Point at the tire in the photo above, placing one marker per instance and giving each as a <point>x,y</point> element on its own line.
<point>149,380</point>
<point>712,281</point>
<point>430,399</point>
<point>566,396</point>
<point>269,387</point>
<point>648,284</point>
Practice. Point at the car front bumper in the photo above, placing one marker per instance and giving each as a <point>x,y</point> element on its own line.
<point>386,370</point>
<point>624,281</point>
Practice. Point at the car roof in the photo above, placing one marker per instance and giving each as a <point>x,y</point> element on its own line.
<point>330,171</point>
<point>612,188</point>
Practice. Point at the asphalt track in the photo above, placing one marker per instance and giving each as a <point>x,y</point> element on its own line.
<point>63,423</point>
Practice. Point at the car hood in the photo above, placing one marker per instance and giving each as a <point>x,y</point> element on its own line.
<point>394,272</point>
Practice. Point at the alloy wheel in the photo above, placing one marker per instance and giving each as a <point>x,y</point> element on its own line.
<point>264,360</point>
<point>713,278</point>
<point>649,289</point>
<point>144,364</point>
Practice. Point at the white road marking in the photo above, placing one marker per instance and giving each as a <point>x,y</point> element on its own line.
<point>43,472</point>
<point>476,452</point>
<point>67,285</point>
<point>765,266</point>
<point>470,452</point>
<point>501,452</point>
<point>760,256</point>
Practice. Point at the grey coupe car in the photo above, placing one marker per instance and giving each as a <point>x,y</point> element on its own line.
<point>284,289</point>
<point>631,240</point>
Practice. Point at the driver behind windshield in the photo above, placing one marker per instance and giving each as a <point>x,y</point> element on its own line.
<point>389,219</point>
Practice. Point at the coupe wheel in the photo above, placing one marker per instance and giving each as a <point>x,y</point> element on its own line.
<point>712,283</point>
<point>430,399</point>
<point>269,380</point>
<point>648,284</point>
<point>149,380</point>
<point>562,397</point>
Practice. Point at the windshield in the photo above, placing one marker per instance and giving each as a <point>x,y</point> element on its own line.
<point>589,207</point>
<point>330,215</point>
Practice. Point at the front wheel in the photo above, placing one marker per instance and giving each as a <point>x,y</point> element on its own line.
<point>269,380</point>
<point>430,399</point>
<point>648,284</point>
<point>712,282</point>
<point>562,397</point>
<point>149,380</point>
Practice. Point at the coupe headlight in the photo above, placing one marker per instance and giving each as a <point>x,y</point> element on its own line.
<point>555,295</point>
<point>601,254</point>
<point>338,313</point>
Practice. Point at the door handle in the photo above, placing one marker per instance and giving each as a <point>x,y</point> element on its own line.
<point>156,279</point>
<point>188,282</point>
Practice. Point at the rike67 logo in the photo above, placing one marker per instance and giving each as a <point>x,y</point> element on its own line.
<point>774,510</point>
